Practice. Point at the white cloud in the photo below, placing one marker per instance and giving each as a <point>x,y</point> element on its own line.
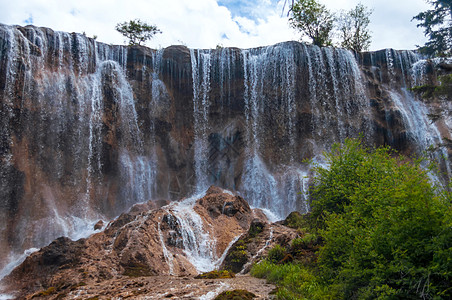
<point>204,23</point>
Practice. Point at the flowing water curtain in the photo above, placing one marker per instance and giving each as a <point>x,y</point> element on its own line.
<point>201,69</point>
<point>271,107</point>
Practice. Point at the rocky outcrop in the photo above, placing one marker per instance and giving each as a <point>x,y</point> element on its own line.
<point>179,239</point>
<point>254,245</point>
<point>89,129</point>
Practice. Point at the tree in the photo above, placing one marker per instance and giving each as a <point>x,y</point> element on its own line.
<point>438,27</point>
<point>353,28</point>
<point>137,31</point>
<point>313,20</point>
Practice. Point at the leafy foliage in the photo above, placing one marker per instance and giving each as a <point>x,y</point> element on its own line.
<point>437,23</point>
<point>353,28</point>
<point>137,31</point>
<point>313,20</point>
<point>386,231</point>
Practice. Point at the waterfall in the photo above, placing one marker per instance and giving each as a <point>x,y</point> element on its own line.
<point>55,95</point>
<point>89,129</point>
<point>273,101</point>
<point>201,64</point>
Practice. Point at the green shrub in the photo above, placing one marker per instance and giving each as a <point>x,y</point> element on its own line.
<point>386,232</point>
<point>308,240</point>
<point>255,229</point>
<point>295,220</point>
<point>276,253</point>
<point>382,223</point>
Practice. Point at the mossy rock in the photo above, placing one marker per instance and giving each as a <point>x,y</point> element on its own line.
<point>235,295</point>
<point>256,228</point>
<point>48,292</point>
<point>295,220</point>
<point>137,270</point>
<point>237,257</point>
<point>216,274</point>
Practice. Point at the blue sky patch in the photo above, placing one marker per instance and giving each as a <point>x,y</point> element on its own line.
<point>250,9</point>
<point>29,21</point>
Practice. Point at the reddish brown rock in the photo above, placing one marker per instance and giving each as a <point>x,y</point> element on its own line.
<point>137,244</point>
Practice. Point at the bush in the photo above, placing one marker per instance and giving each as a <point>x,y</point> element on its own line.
<point>383,224</point>
<point>237,257</point>
<point>277,253</point>
<point>386,232</point>
<point>295,220</point>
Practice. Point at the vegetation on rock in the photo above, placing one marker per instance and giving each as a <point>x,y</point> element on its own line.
<point>137,270</point>
<point>137,31</point>
<point>237,257</point>
<point>295,220</point>
<point>216,274</point>
<point>385,230</point>
<point>235,295</point>
<point>47,292</point>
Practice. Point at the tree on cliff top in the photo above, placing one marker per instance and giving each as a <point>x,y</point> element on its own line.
<point>353,28</point>
<point>438,27</point>
<point>137,31</point>
<point>313,20</point>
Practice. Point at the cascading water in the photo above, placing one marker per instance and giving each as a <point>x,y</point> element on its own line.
<point>339,107</point>
<point>193,235</point>
<point>201,86</point>
<point>414,113</point>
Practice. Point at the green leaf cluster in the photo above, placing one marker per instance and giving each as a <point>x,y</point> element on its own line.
<point>353,29</point>
<point>314,20</point>
<point>137,31</point>
<point>319,24</point>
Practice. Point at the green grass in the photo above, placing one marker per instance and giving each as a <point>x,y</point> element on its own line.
<point>294,280</point>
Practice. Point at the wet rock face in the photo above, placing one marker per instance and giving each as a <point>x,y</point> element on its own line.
<point>182,238</point>
<point>87,129</point>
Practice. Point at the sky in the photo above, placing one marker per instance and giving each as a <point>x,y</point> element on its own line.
<point>209,23</point>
